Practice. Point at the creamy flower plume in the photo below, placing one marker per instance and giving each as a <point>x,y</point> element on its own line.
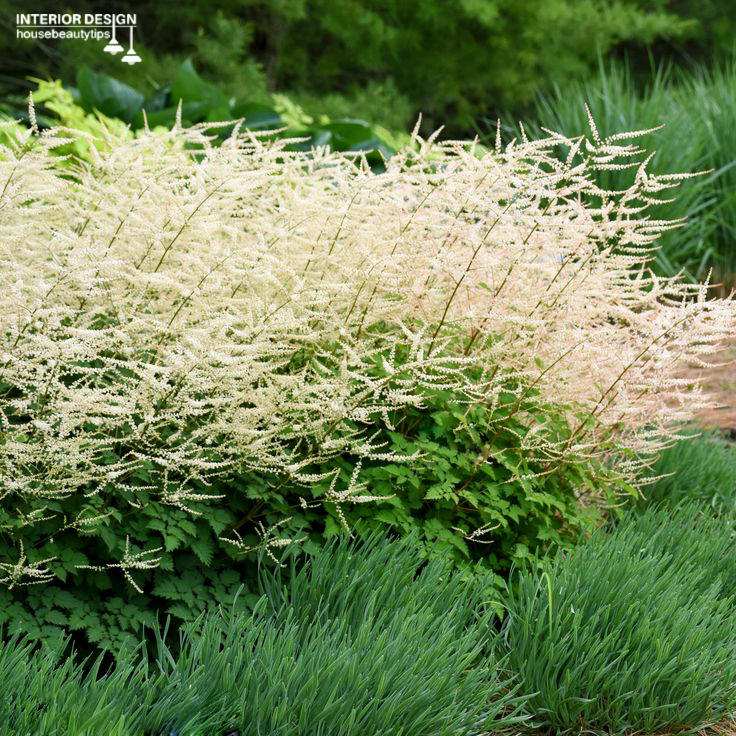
<point>197,310</point>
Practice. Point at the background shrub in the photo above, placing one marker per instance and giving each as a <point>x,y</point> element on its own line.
<point>383,61</point>
<point>462,495</point>
<point>633,629</point>
<point>101,103</point>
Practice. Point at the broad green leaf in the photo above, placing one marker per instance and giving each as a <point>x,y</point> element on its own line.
<point>188,86</point>
<point>257,117</point>
<point>108,95</point>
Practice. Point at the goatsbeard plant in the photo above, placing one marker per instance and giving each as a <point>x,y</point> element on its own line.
<point>173,312</point>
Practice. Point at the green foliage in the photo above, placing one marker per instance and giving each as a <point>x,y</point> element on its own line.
<point>452,61</point>
<point>633,630</point>
<point>469,473</point>
<point>470,495</point>
<point>379,102</point>
<point>700,468</point>
<point>697,110</point>
<point>103,93</point>
<point>714,27</point>
<point>101,608</point>
<point>102,102</point>
<point>383,61</point>
<point>362,640</point>
<point>222,50</point>
<point>60,108</point>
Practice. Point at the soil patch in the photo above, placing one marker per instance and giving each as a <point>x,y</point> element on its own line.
<point>720,381</point>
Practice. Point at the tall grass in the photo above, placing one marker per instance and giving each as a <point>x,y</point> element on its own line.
<point>364,640</point>
<point>633,630</point>
<point>701,468</point>
<point>698,112</point>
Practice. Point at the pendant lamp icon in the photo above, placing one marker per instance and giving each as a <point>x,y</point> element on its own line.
<point>130,56</point>
<point>113,47</point>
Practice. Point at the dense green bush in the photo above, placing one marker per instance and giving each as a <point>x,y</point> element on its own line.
<point>633,629</point>
<point>701,468</point>
<point>363,640</point>
<point>384,61</point>
<point>453,61</point>
<point>696,110</point>
<point>463,498</point>
<point>471,475</point>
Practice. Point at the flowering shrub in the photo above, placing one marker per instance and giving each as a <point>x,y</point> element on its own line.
<point>206,349</point>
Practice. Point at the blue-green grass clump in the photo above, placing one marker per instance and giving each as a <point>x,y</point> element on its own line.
<point>701,468</point>
<point>633,629</point>
<point>364,639</point>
